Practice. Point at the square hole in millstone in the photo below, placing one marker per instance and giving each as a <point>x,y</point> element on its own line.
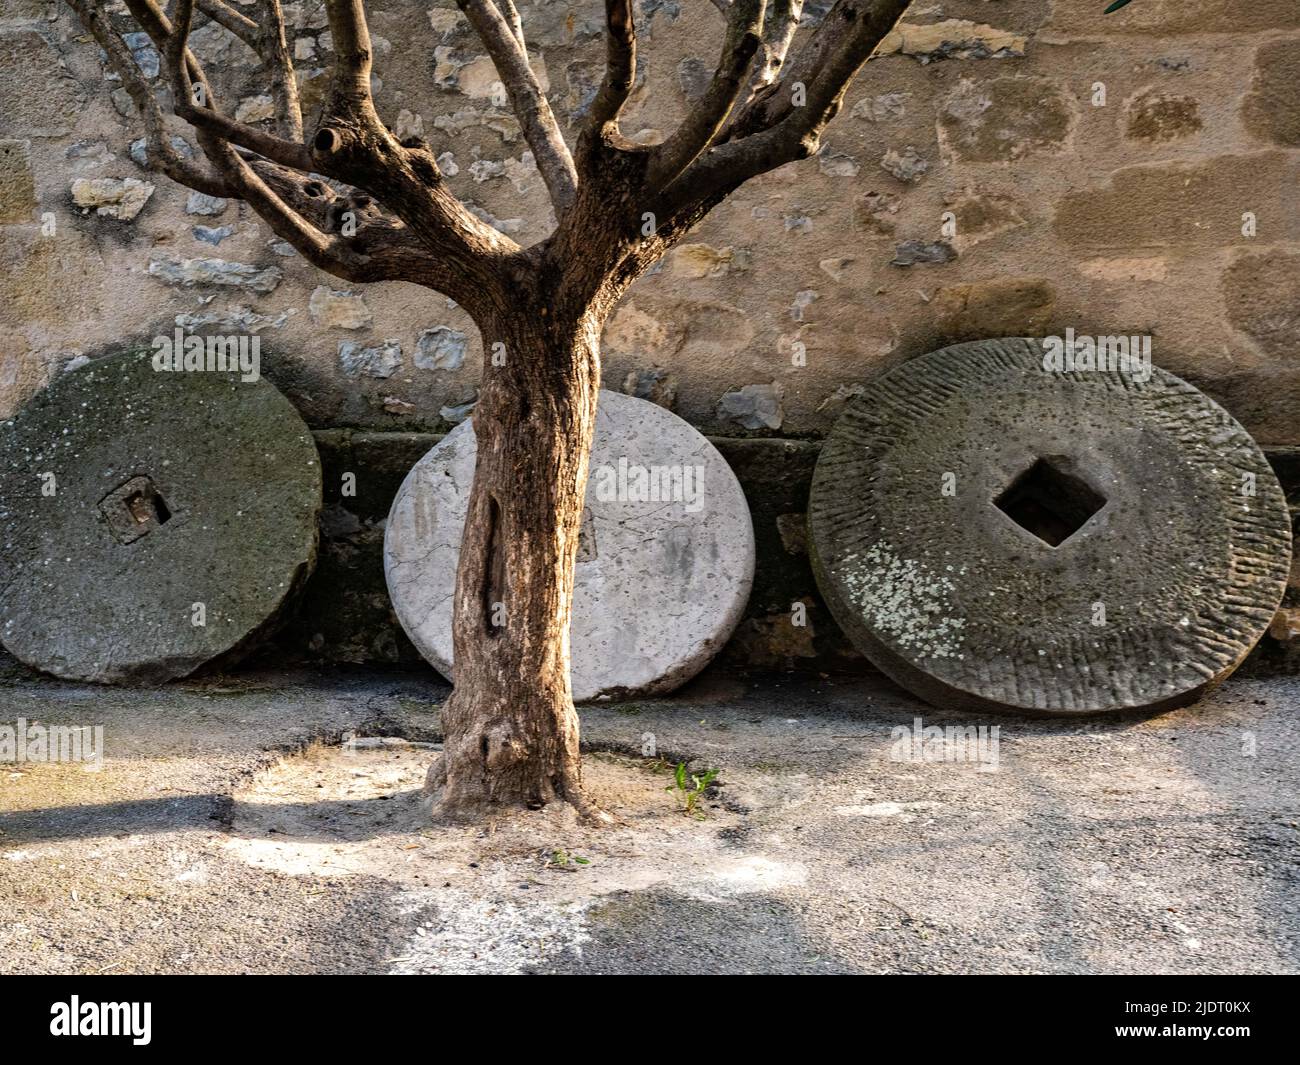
<point>134,509</point>
<point>1050,502</point>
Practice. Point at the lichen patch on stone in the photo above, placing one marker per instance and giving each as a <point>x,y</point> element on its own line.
<point>904,599</point>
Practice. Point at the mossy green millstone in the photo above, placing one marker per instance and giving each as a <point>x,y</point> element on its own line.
<point>169,489</point>
<point>1149,553</point>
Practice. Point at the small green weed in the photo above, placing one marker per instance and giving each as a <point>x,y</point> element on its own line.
<point>689,787</point>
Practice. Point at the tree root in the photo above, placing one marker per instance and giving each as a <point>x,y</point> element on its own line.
<point>464,808</point>
<point>588,810</point>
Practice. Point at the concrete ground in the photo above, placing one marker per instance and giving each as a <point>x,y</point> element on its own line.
<point>227,831</point>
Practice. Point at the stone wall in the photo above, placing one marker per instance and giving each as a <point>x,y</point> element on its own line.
<point>1003,167</point>
<point>1125,217</point>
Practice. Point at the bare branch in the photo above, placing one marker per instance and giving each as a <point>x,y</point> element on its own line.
<point>434,240</point>
<point>511,14</point>
<point>306,212</point>
<point>159,152</point>
<point>205,115</point>
<point>177,46</point>
<point>842,42</point>
<point>269,41</point>
<point>159,28</point>
<point>288,153</point>
<point>782,124</point>
<point>273,47</point>
<point>541,130</point>
<point>620,64</point>
<point>240,25</point>
<point>780,21</point>
<point>739,44</point>
<point>329,253</point>
<point>351,89</point>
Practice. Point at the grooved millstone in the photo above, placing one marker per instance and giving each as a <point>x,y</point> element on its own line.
<point>659,587</point>
<point>967,608</point>
<point>88,591</point>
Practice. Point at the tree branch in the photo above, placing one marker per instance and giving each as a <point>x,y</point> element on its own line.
<point>273,47</point>
<point>328,253</point>
<point>206,117</point>
<point>239,24</point>
<point>511,14</point>
<point>844,40</point>
<point>780,21</point>
<point>353,146</point>
<point>309,215</point>
<point>620,65</point>
<point>159,153</point>
<point>781,125</point>
<point>159,29</point>
<point>541,130</point>
<point>350,93</point>
<point>435,240</point>
<point>739,44</point>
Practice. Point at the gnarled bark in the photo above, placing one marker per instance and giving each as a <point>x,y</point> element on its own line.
<point>510,728</point>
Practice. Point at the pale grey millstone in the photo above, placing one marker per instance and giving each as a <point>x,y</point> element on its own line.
<point>87,595</point>
<point>968,608</point>
<point>659,588</point>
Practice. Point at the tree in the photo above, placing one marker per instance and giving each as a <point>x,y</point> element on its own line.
<point>361,205</point>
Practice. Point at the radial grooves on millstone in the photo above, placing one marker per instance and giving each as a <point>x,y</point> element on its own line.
<point>1189,570</point>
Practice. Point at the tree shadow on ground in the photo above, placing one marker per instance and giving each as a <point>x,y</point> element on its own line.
<point>329,821</point>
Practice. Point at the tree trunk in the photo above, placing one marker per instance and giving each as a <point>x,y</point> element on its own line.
<point>511,731</point>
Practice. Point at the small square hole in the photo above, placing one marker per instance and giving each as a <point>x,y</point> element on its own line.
<point>134,509</point>
<point>148,508</point>
<point>1050,502</point>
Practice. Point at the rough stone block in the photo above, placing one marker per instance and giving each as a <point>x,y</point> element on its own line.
<point>1262,294</point>
<point>1272,110</point>
<point>1155,116</point>
<point>41,99</point>
<point>1164,18</point>
<point>1008,306</point>
<point>119,198</point>
<point>952,39</point>
<point>338,310</point>
<point>1005,119</point>
<point>1183,206</point>
<point>220,272</point>
<point>17,187</point>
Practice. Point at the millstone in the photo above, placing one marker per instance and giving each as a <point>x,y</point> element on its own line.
<point>997,535</point>
<point>660,583</point>
<point>150,520</point>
